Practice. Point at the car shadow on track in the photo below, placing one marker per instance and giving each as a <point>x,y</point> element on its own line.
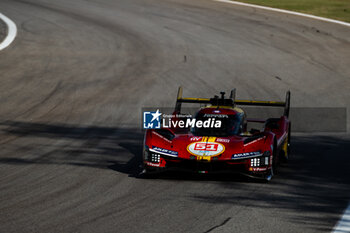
<point>77,145</point>
<point>314,185</point>
<point>118,149</point>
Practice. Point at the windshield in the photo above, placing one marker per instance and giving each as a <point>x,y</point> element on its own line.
<point>230,125</point>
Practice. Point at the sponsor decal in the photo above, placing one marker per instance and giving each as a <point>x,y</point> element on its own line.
<point>254,141</point>
<point>223,140</point>
<point>205,148</point>
<point>205,158</point>
<point>246,155</point>
<point>161,136</point>
<point>258,169</point>
<point>164,151</point>
<point>216,115</point>
<point>195,139</point>
<point>153,164</point>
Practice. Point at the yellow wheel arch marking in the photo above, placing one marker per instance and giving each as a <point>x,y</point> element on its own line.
<point>285,147</point>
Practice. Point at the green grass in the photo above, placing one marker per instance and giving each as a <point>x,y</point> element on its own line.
<point>334,9</point>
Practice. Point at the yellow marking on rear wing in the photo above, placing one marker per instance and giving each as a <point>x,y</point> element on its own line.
<point>194,100</point>
<point>260,103</point>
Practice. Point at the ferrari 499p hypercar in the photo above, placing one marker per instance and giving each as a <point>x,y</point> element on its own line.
<point>227,148</point>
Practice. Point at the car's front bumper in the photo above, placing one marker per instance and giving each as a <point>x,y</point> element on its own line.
<point>197,166</point>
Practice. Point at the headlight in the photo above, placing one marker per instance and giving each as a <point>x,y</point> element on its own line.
<point>155,158</point>
<point>255,162</point>
<point>261,161</point>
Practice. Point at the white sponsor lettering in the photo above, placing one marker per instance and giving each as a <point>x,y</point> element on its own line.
<point>216,115</point>
<point>258,169</point>
<point>223,140</point>
<point>153,164</point>
<point>196,138</point>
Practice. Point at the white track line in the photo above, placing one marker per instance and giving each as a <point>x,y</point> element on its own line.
<point>11,32</point>
<point>343,226</point>
<point>285,11</point>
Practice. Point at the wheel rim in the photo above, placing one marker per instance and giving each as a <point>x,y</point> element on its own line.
<point>269,176</point>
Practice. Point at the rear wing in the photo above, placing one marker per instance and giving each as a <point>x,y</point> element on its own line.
<point>231,101</point>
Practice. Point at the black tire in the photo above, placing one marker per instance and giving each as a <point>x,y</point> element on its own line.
<point>289,137</point>
<point>284,154</point>
<point>269,175</point>
<point>273,168</point>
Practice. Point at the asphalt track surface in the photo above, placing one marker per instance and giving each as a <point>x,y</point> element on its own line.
<point>72,87</point>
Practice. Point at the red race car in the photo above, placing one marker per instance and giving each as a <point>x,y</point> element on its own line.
<point>225,145</point>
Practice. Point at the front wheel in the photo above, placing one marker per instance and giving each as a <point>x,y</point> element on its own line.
<point>273,169</point>
<point>269,175</point>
